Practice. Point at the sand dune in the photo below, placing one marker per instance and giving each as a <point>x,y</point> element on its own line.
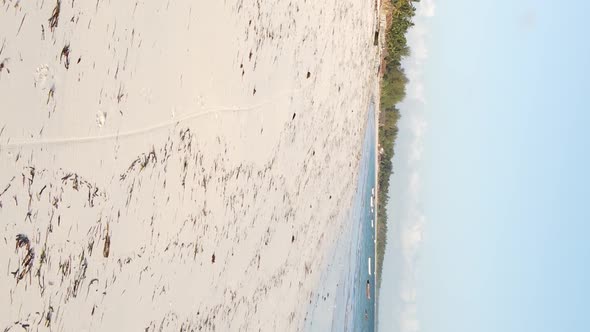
<point>176,165</point>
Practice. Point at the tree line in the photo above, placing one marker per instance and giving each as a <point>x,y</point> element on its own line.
<point>393,89</point>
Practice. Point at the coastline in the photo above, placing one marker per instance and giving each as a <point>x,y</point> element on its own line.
<point>376,199</point>
<point>382,29</point>
<point>341,301</point>
<point>396,19</point>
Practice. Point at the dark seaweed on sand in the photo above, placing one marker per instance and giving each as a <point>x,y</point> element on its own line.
<point>54,19</point>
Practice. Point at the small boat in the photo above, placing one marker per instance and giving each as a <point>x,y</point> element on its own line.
<point>368,290</point>
<point>372,223</point>
<point>369,265</point>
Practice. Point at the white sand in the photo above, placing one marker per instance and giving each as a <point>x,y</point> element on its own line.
<point>232,174</point>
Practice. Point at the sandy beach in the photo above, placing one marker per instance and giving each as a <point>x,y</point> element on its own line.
<point>176,165</point>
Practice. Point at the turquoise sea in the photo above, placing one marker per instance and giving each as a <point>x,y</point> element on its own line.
<point>342,302</point>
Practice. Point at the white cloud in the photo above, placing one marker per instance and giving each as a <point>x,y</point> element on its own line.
<point>413,222</point>
<point>414,64</point>
<point>408,320</point>
<point>414,185</point>
<point>408,295</point>
<point>417,41</point>
<point>411,235</point>
<point>418,126</point>
<point>410,324</point>
<point>426,8</point>
<point>417,92</point>
<point>411,238</point>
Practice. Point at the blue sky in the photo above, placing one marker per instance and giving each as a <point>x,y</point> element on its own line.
<point>491,196</point>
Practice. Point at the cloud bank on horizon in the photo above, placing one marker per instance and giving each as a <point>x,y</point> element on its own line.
<point>425,8</point>
<point>413,222</point>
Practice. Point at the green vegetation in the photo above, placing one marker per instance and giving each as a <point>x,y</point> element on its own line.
<point>393,90</point>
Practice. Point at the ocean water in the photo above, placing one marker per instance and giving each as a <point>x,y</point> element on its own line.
<point>341,303</point>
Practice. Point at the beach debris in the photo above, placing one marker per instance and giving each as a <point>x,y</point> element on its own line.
<point>3,65</point>
<point>76,181</point>
<point>42,259</point>
<point>7,187</point>
<point>292,238</point>
<point>293,118</point>
<point>120,94</point>
<point>64,267</point>
<point>50,93</point>
<point>80,275</point>
<point>101,117</point>
<point>21,241</point>
<point>195,251</point>
<point>92,282</point>
<point>107,244</point>
<point>54,19</point>
<point>254,92</point>
<point>142,161</point>
<point>213,258</point>
<point>41,191</point>
<point>48,316</point>
<point>308,75</point>
<point>65,53</point>
<point>92,194</point>
<point>27,263</point>
<point>21,24</point>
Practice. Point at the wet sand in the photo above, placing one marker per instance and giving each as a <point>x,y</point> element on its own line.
<point>176,165</point>
<point>345,303</point>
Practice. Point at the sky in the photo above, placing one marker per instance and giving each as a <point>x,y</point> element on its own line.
<point>490,200</point>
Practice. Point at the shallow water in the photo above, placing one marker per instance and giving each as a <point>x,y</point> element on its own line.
<point>363,308</point>
<point>341,303</point>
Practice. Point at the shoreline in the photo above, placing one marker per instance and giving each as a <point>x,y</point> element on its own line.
<point>341,252</point>
<point>377,88</point>
<point>342,282</point>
